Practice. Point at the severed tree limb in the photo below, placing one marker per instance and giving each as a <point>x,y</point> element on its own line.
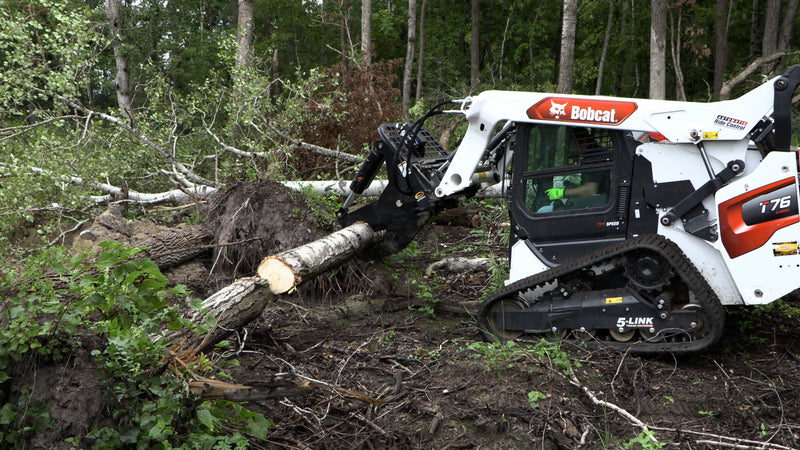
<point>375,188</point>
<point>317,149</point>
<point>283,272</point>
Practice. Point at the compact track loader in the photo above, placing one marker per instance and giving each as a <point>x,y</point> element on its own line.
<point>633,221</point>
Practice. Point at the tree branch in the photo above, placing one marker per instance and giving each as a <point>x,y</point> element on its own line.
<point>725,92</point>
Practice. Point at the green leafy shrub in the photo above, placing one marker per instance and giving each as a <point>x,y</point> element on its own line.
<point>124,300</point>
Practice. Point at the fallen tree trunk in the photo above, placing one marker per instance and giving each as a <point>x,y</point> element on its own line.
<point>375,188</point>
<point>245,299</point>
<point>283,272</point>
<point>172,247</point>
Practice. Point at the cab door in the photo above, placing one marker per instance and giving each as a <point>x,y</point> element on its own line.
<point>571,187</point>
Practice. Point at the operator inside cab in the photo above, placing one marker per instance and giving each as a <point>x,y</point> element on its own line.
<point>569,168</point>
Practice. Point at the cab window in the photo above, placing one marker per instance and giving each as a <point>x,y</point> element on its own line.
<point>567,168</point>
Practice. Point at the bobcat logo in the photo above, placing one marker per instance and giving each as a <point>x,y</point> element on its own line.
<point>557,110</point>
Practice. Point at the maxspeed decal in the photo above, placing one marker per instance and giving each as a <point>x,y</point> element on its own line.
<point>582,110</point>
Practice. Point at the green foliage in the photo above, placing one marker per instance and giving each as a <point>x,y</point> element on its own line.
<point>645,440</point>
<point>41,52</point>
<point>123,300</point>
<point>323,207</point>
<point>534,397</point>
<point>504,354</point>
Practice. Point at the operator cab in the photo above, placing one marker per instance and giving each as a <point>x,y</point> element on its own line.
<point>571,189</point>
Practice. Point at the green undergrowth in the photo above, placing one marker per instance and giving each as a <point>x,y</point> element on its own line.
<point>53,299</point>
<point>502,355</point>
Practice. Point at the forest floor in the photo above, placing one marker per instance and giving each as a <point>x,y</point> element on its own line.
<point>400,363</point>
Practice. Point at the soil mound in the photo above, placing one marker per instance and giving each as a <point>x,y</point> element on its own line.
<point>252,220</point>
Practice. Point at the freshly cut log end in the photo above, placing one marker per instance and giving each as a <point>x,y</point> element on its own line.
<point>286,270</point>
<point>279,275</point>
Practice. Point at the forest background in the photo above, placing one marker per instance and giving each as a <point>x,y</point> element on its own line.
<point>161,101</point>
<point>149,95</point>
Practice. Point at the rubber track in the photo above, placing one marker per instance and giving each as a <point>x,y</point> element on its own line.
<point>682,266</point>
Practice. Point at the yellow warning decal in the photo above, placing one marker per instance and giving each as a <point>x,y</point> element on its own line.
<point>613,300</point>
<point>785,248</point>
<point>710,135</point>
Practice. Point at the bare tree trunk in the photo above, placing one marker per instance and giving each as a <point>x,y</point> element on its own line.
<point>244,34</point>
<point>173,247</point>
<point>366,32</point>
<point>787,29</point>
<point>409,67</point>
<point>285,271</point>
<point>787,25</point>
<point>475,44</point>
<point>769,39</point>
<point>122,83</point>
<point>606,39</point>
<point>421,56</point>
<point>658,32</point>
<point>675,50</point>
<point>753,30</point>
<point>567,57</point>
<point>721,45</point>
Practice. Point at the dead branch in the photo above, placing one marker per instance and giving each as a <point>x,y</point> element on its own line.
<point>317,149</point>
<point>727,86</point>
<point>573,379</point>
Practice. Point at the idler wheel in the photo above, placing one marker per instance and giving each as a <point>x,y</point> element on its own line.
<point>497,329</point>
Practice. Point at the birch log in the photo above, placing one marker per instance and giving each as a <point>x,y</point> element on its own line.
<point>242,301</point>
<point>376,188</point>
<point>283,272</point>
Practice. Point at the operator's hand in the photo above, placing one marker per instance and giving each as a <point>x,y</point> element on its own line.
<point>554,193</point>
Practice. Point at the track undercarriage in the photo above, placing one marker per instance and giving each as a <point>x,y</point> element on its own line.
<point>641,294</point>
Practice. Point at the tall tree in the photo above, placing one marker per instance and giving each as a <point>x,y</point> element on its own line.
<point>604,52</point>
<point>675,51</point>
<point>658,63</point>
<point>244,33</point>
<point>475,44</point>
<point>721,44</point>
<point>421,56</point>
<point>122,82</point>
<point>567,58</point>
<point>409,67</point>
<point>366,32</point>
<point>769,38</point>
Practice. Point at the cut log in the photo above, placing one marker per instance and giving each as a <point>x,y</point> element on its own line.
<point>283,272</point>
<point>245,299</point>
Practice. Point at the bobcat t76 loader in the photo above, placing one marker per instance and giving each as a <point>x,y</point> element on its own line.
<point>633,221</point>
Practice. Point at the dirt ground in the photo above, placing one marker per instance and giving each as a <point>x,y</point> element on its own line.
<point>398,362</point>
